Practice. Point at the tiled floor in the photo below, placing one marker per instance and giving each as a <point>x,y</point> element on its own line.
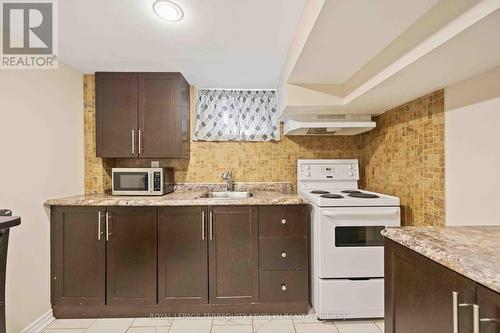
<point>294,324</point>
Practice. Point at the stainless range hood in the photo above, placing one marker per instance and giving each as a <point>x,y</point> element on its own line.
<point>328,124</point>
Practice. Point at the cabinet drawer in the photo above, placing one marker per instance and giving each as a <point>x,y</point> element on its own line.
<point>283,286</point>
<point>283,221</point>
<point>283,253</point>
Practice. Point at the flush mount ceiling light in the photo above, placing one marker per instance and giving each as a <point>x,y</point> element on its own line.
<point>168,10</point>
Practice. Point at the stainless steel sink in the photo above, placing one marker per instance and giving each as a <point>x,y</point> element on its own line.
<point>226,195</point>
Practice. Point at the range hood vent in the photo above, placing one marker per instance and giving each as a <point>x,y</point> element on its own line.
<point>328,124</point>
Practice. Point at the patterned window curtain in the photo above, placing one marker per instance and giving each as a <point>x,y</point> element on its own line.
<point>236,115</point>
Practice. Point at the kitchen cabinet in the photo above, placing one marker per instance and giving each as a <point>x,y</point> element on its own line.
<point>182,256</point>
<point>233,246</point>
<point>489,309</point>
<point>143,115</point>
<point>424,296</point>
<point>131,255</point>
<point>133,261</point>
<point>78,256</point>
<point>116,114</point>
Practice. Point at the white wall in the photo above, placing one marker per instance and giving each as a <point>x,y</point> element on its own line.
<point>41,156</point>
<point>472,150</point>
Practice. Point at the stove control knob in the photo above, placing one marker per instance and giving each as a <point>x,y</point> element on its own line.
<point>351,174</point>
<point>283,221</point>
<point>350,167</point>
<point>283,254</point>
<point>308,167</point>
<point>308,174</point>
<point>283,287</point>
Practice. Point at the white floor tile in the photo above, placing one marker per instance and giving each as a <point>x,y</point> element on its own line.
<point>148,329</point>
<point>326,327</point>
<point>273,326</point>
<point>380,324</point>
<point>232,320</point>
<point>232,329</point>
<point>154,322</point>
<point>308,318</point>
<point>357,327</point>
<point>65,330</point>
<point>114,325</point>
<point>71,323</point>
<point>191,325</point>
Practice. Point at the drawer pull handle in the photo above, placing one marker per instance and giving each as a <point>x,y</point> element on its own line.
<point>283,287</point>
<point>283,221</point>
<point>283,254</point>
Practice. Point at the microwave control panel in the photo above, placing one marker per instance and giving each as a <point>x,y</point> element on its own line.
<point>157,181</point>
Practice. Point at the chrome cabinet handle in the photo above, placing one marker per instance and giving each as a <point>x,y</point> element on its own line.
<point>140,144</point>
<point>107,227</point>
<point>99,225</point>
<point>133,142</point>
<point>283,287</point>
<point>202,225</point>
<point>283,221</point>
<point>211,224</point>
<point>283,254</point>
<point>475,312</point>
<point>490,321</point>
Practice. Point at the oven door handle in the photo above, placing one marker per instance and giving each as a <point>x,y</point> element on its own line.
<point>353,213</point>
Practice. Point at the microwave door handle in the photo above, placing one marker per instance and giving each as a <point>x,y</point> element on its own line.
<point>150,175</point>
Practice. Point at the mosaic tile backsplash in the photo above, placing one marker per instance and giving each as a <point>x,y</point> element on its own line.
<point>381,153</point>
<point>404,156</point>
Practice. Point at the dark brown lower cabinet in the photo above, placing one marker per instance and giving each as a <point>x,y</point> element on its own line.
<point>78,256</point>
<point>182,256</point>
<point>131,255</point>
<point>134,261</point>
<point>489,309</point>
<point>419,296</point>
<point>233,253</point>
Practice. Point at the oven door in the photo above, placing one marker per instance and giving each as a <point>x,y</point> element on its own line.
<point>130,182</point>
<point>351,245</point>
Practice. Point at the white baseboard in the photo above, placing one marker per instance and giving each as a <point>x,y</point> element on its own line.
<point>40,323</point>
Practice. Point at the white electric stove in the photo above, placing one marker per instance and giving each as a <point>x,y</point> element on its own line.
<point>347,252</point>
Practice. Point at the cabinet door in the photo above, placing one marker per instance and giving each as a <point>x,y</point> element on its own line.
<point>419,294</point>
<point>116,115</point>
<point>131,256</point>
<point>489,309</point>
<point>160,120</point>
<point>233,257</point>
<point>182,256</point>
<point>77,256</point>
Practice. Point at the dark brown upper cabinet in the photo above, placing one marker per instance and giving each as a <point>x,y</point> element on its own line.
<point>144,115</point>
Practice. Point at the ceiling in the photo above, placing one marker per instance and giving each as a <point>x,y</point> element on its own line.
<point>347,34</point>
<point>390,57</point>
<point>218,44</point>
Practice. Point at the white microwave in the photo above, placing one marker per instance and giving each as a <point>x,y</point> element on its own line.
<point>142,181</point>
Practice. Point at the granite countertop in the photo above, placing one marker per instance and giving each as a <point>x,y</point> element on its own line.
<point>470,251</point>
<point>188,195</point>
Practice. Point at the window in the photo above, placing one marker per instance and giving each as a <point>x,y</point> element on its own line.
<point>236,115</point>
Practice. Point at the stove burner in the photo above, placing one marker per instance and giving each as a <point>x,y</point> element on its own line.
<point>332,196</point>
<point>319,192</point>
<point>351,191</point>
<point>363,195</point>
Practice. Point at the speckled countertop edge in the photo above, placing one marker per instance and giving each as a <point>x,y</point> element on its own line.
<point>470,251</point>
<point>188,195</point>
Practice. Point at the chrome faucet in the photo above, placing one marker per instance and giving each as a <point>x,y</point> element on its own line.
<point>228,177</point>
